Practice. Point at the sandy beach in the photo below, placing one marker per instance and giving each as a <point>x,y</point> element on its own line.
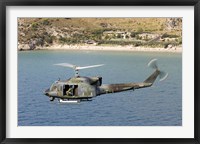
<point>104,48</point>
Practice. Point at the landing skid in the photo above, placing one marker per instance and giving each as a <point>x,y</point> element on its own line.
<point>69,101</point>
<point>72,100</point>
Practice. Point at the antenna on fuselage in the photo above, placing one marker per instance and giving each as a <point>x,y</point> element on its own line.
<point>77,68</point>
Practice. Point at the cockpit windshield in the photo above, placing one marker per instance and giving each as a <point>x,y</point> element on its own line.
<point>53,86</point>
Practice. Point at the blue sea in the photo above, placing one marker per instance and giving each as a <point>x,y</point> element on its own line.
<point>159,105</point>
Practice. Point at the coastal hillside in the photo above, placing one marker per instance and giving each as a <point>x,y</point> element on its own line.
<point>39,33</point>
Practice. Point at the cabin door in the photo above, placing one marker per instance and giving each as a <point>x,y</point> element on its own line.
<point>70,90</point>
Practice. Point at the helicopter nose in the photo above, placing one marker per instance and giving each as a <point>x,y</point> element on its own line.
<point>46,92</point>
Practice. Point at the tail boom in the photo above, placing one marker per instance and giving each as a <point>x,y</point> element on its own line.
<point>114,88</point>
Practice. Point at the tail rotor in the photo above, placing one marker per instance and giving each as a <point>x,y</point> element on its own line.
<point>153,64</point>
<point>162,75</point>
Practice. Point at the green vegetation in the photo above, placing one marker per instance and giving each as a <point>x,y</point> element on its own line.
<point>169,35</point>
<point>145,32</point>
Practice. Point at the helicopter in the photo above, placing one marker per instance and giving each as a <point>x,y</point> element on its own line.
<point>81,88</point>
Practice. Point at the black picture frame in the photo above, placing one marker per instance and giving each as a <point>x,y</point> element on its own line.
<point>5,3</point>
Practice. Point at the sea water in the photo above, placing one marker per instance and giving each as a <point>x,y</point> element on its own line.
<point>159,105</point>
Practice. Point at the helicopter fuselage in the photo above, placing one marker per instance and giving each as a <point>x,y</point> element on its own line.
<point>87,88</point>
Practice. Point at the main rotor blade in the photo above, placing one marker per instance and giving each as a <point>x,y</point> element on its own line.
<point>85,67</point>
<point>66,65</point>
<point>77,67</point>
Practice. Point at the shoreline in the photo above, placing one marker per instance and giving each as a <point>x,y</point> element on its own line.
<point>105,48</point>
